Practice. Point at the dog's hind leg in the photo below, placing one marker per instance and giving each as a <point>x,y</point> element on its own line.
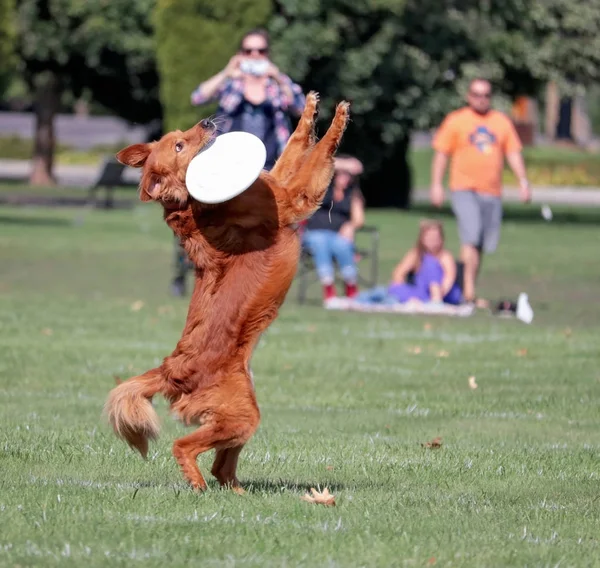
<point>225,467</point>
<point>188,448</point>
<point>218,463</point>
<point>308,186</point>
<point>226,427</point>
<point>299,143</point>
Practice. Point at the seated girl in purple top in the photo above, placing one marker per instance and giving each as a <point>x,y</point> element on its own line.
<point>433,269</point>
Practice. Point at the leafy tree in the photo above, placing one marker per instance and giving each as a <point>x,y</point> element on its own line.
<point>7,42</point>
<point>106,48</point>
<point>196,39</point>
<point>405,63</point>
<point>393,59</point>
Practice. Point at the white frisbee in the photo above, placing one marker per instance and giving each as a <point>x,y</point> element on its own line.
<point>229,166</point>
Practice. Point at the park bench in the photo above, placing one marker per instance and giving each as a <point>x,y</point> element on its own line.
<point>111,177</point>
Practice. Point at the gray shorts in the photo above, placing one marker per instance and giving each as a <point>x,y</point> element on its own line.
<point>479,218</point>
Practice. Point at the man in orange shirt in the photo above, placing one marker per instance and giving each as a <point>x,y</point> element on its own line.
<point>476,139</point>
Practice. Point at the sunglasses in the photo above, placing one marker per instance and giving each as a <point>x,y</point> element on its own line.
<point>260,51</point>
<point>480,95</point>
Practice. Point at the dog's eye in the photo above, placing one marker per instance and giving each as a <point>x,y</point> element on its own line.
<point>178,146</point>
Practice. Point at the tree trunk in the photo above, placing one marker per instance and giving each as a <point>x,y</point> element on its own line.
<point>552,103</point>
<point>391,185</point>
<point>47,102</point>
<point>563,128</point>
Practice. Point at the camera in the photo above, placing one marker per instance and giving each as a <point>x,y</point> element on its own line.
<point>257,67</point>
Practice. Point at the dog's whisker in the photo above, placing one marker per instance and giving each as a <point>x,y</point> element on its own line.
<point>218,118</point>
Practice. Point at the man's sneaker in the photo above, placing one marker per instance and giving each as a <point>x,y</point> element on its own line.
<point>524,310</point>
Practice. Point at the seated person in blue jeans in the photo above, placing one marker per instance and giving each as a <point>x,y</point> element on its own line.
<point>433,268</point>
<point>329,234</point>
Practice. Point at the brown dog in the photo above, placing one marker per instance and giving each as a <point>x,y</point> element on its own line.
<point>245,252</point>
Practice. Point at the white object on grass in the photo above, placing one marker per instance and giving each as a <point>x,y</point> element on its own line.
<point>547,212</point>
<point>226,168</point>
<point>524,310</point>
<point>337,303</point>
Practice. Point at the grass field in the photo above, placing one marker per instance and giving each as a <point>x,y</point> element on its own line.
<point>346,400</point>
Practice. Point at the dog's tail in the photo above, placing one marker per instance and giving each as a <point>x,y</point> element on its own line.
<point>130,412</point>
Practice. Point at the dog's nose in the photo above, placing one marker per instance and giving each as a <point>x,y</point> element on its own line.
<point>206,123</point>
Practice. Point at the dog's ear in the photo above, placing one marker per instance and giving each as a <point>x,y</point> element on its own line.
<point>144,195</point>
<point>135,155</point>
<point>150,186</point>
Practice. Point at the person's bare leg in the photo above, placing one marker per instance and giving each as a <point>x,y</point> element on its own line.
<point>435,292</point>
<point>470,256</point>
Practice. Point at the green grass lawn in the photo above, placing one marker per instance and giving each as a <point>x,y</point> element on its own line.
<point>346,400</point>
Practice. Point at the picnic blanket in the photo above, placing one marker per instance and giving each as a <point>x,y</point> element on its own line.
<point>377,300</point>
<point>462,310</point>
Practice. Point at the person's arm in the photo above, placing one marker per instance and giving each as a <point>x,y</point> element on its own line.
<point>449,268</point>
<point>405,266</point>
<point>517,165</point>
<point>357,210</point>
<point>352,165</point>
<point>210,89</point>
<point>513,150</point>
<point>357,216</point>
<point>292,97</point>
<point>438,169</point>
<point>443,144</point>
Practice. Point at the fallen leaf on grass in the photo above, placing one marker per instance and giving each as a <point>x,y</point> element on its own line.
<point>443,354</point>
<point>427,326</point>
<point>431,561</point>
<point>329,468</point>
<point>472,383</point>
<point>47,331</point>
<point>434,444</point>
<point>137,306</point>
<point>320,497</point>
<point>416,350</point>
<point>521,352</point>
<point>311,328</point>
<point>568,332</point>
<point>118,379</point>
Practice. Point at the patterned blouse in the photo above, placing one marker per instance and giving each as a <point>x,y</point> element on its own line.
<point>231,96</point>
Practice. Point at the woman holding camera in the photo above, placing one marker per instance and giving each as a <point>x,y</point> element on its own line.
<point>254,96</point>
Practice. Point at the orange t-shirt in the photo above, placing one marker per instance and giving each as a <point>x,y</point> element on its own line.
<point>477,145</point>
